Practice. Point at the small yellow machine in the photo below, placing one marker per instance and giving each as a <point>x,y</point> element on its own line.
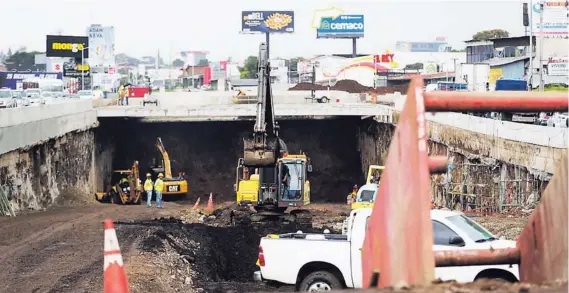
<point>126,187</point>
<point>366,195</point>
<point>172,185</point>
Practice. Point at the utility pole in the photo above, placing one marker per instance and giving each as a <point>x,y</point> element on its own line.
<point>530,71</point>
<point>541,6</point>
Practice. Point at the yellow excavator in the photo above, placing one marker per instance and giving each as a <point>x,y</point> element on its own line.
<point>126,188</point>
<point>172,185</point>
<point>269,180</point>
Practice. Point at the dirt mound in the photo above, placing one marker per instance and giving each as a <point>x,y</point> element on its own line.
<point>305,86</point>
<point>353,87</point>
<point>219,258</point>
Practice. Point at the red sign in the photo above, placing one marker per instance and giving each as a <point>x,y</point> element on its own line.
<point>111,70</point>
<point>383,58</point>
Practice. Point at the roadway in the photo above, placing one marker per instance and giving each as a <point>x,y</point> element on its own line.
<point>220,106</point>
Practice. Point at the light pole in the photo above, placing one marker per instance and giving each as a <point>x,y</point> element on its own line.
<point>82,67</point>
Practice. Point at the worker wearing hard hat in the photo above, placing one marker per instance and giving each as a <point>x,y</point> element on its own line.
<point>158,187</point>
<point>148,187</point>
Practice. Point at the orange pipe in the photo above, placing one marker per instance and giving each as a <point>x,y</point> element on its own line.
<point>506,101</point>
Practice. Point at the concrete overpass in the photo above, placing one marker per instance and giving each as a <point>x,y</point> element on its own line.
<point>56,143</point>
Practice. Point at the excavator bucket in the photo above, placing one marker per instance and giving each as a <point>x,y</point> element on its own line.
<point>260,153</point>
<point>398,248</point>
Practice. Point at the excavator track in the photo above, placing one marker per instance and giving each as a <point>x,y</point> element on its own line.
<point>297,219</point>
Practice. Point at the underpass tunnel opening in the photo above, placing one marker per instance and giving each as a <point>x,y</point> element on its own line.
<point>208,152</point>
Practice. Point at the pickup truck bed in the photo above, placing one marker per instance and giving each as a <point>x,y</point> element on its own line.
<point>333,261</point>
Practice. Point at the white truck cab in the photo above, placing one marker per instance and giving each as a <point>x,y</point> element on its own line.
<point>314,262</point>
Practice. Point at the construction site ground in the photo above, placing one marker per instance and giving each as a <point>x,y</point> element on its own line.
<point>174,249</point>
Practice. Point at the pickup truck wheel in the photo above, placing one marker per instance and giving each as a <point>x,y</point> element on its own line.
<point>320,281</point>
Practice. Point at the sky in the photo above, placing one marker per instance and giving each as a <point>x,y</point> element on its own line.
<point>144,27</point>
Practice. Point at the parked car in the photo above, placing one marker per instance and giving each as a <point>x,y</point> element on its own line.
<point>21,99</point>
<point>85,94</point>
<point>313,262</point>
<point>7,99</point>
<point>34,95</point>
<point>559,120</point>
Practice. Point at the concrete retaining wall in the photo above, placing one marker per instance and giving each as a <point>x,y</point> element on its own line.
<point>537,148</point>
<point>28,126</point>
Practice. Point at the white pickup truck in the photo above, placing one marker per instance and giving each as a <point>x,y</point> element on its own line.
<point>322,262</point>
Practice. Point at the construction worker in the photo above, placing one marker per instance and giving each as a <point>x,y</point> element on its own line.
<point>121,94</point>
<point>351,198</point>
<point>126,87</point>
<point>148,187</point>
<point>158,187</point>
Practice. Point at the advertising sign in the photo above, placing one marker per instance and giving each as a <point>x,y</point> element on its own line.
<point>12,79</point>
<point>72,69</point>
<point>267,21</point>
<point>495,74</point>
<point>101,45</point>
<point>558,67</point>
<point>429,68</point>
<point>66,46</point>
<point>344,26</point>
<point>555,20</point>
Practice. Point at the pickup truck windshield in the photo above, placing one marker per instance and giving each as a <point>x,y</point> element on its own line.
<point>366,196</point>
<point>471,228</point>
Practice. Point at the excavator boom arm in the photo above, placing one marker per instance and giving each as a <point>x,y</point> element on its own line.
<point>165,158</point>
<point>262,150</point>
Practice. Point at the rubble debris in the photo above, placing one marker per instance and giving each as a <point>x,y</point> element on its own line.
<point>351,86</point>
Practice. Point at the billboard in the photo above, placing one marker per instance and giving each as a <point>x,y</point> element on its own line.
<point>101,45</point>
<point>344,26</point>
<point>555,20</point>
<point>72,69</point>
<point>66,46</point>
<point>558,66</point>
<point>12,79</point>
<point>267,21</point>
<point>403,46</point>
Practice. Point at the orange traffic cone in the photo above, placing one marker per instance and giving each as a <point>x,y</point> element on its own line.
<point>114,273</point>
<point>209,209</point>
<point>197,205</point>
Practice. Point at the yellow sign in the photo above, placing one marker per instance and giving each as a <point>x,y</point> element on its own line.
<point>333,12</point>
<point>67,47</point>
<point>495,74</point>
<point>83,67</point>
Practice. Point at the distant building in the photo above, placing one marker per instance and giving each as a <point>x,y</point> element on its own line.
<point>437,46</point>
<point>508,57</point>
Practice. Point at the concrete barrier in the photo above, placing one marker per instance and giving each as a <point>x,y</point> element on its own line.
<point>27,126</point>
<point>528,133</point>
<point>215,112</point>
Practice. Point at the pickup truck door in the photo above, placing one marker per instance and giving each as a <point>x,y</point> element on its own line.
<point>356,243</point>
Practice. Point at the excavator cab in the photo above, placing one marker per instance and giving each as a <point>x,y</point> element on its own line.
<point>374,174</point>
<point>294,188</point>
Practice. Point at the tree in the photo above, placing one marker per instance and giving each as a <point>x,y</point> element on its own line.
<point>490,34</point>
<point>178,63</point>
<point>21,60</point>
<point>249,70</point>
